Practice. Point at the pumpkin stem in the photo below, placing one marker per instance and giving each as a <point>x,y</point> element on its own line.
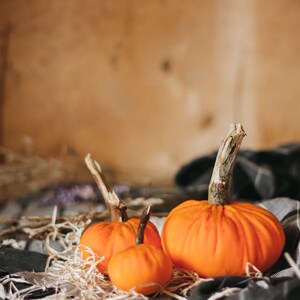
<point>220,183</point>
<point>142,225</point>
<point>116,207</point>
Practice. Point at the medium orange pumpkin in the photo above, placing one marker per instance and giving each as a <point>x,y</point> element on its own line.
<point>143,268</point>
<point>217,237</point>
<point>109,237</point>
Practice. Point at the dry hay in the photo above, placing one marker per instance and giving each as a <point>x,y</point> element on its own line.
<point>74,277</point>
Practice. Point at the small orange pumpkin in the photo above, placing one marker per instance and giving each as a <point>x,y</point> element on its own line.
<point>217,237</point>
<point>109,237</point>
<point>142,268</point>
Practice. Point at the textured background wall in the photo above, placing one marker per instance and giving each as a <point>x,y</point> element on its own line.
<point>147,85</point>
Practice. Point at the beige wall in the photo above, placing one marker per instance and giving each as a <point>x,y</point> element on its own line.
<point>145,86</point>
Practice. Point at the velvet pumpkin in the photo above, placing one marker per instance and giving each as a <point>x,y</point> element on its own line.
<point>143,268</point>
<point>217,236</point>
<point>108,237</point>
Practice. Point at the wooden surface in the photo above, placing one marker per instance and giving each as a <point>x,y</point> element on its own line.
<point>147,86</point>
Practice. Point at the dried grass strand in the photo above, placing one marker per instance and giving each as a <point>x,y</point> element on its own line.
<point>225,293</point>
<point>292,264</point>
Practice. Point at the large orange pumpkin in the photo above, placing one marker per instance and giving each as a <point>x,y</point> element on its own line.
<point>217,237</point>
<point>109,237</point>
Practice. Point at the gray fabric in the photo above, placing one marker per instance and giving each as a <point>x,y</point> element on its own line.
<point>287,211</point>
<point>257,174</point>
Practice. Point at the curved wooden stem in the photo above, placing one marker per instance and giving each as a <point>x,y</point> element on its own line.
<point>116,207</point>
<point>220,183</point>
<point>142,225</point>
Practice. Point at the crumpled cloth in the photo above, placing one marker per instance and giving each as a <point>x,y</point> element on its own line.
<point>254,289</point>
<point>257,174</point>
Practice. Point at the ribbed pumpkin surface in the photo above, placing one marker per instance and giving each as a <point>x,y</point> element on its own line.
<point>107,238</point>
<point>216,240</point>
